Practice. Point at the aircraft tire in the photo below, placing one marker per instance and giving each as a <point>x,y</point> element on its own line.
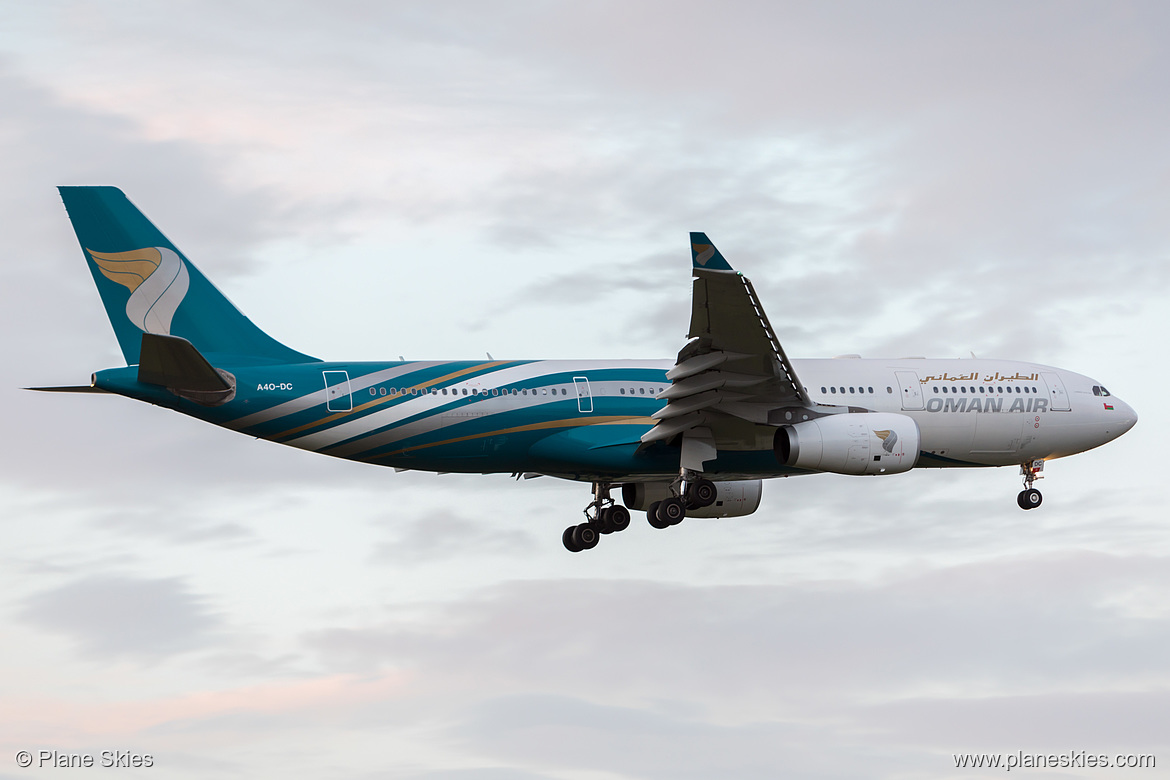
<point>652,516</point>
<point>672,511</point>
<point>604,522</point>
<point>1029,499</point>
<point>701,493</point>
<point>585,536</point>
<point>619,518</point>
<point>568,540</point>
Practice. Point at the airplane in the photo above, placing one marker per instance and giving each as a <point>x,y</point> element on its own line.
<point>690,437</point>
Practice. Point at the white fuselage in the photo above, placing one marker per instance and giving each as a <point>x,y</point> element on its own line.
<point>976,412</point>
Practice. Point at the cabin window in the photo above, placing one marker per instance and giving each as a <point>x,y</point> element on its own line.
<point>833,390</point>
<point>564,391</point>
<point>936,391</point>
<point>622,391</point>
<point>945,389</point>
<point>871,391</point>
<point>824,389</point>
<point>889,390</point>
<point>851,391</point>
<point>642,391</point>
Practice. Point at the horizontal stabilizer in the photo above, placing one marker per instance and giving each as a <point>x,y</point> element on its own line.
<point>171,361</point>
<point>174,363</point>
<point>69,389</point>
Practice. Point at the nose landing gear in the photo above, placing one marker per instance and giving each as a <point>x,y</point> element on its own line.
<point>602,516</point>
<point>1029,497</point>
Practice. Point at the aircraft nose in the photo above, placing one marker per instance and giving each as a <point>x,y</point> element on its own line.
<point>1129,416</point>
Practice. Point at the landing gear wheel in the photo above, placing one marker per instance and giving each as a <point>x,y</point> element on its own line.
<point>568,540</point>
<point>605,521</point>
<point>701,493</point>
<point>652,515</point>
<point>672,511</point>
<point>619,518</point>
<point>585,536</point>
<point>1029,499</point>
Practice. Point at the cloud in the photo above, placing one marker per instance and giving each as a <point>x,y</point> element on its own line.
<point>913,179</point>
<point>110,616</point>
<point>677,680</point>
<point>444,535</point>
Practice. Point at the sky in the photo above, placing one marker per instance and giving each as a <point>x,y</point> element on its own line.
<point>441,180</point>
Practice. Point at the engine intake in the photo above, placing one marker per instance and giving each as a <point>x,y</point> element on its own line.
<point>855,443</point>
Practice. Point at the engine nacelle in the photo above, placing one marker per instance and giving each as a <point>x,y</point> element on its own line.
<point>733,499</point>
<point>857,443</point>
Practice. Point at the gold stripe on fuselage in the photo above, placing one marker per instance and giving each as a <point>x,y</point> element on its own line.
<point>385,399</point>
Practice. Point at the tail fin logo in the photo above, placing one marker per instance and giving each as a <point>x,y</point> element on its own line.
<point>703,253</point>
<point>157,279</point>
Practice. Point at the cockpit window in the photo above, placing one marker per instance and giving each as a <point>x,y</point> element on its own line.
<point>1105,392</point>
<point>1096,390</point>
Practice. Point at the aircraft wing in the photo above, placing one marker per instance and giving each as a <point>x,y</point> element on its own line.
<point>733,374</point>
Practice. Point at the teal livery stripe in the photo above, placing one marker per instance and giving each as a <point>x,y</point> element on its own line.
<point>315,400</point>
<point>550,425</point>
<point>417,415</point>
<point>411,380</point>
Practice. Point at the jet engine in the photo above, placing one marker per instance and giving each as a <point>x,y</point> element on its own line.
<point>733,499</point>
<point>856,443</point>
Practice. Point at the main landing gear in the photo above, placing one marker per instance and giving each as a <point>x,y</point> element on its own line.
<point>1030,497</point>
<point>602,516</point>
<point>698,493</point>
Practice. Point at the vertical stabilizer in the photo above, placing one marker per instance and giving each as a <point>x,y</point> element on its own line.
<point>149,286</point>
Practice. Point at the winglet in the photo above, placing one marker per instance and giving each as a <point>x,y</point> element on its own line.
<point>705,255</point>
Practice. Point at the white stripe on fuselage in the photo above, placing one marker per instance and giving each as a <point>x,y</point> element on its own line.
<point>528,373</point>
